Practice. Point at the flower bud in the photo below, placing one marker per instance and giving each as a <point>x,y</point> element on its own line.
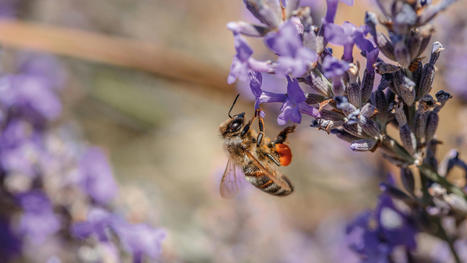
<point>408,138</point>
<point>363,145</point>
<point>408,179</point>
<point>431,125</point>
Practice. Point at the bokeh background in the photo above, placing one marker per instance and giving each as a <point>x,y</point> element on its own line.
<point>146,81</point>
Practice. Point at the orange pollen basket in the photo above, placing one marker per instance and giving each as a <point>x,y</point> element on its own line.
<point>285,154</point>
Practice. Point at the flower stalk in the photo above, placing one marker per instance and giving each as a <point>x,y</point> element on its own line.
<point>347,101</point>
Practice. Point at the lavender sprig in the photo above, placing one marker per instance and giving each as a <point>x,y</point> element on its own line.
<point>57,192</point>
<point>344,100</point>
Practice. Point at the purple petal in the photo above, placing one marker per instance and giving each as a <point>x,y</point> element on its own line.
<point>335,34</point>
<point>371,58</point>
<point>96,176</point>
<point>284,42</point>
<point>242,48</point>
<point>256,80</point>
<point>98,223</point>
<point>309,110</point>
<point>268,97</point>
<point>289,112</point>
<point>333,67</point>
<point>38,220</point>
<point>238,70</point>
<point>331,10</point>
<point>294,92</point>
<point>140,240</point>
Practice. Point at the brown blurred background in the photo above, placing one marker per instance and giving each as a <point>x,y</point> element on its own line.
<point>146,81</point>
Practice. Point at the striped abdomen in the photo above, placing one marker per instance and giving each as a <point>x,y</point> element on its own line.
<point>279,185</point>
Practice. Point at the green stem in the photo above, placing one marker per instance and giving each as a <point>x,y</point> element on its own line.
<point>450,242</point>
<point>434,176</point>
<point>425,170</point>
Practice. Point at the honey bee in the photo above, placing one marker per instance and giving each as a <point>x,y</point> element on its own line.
<point>256,156</point>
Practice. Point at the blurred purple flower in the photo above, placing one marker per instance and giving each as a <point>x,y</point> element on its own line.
<point>243,63</point>
<point>293,103</point>
<point>43,67</point>
<point>19,155</point>
<point>8,8</point>
<point>140,240</point>
<point>96,177</point>
<point>294,58</point>
<point>347,36</point>
<point>97,224</point>
<point>334,69</point>
<point>38,220</point>
<point>394,225</point>
<point>332,9</point>
<point>10,244</point>
<point>376,242</point>
<point>29,96</point>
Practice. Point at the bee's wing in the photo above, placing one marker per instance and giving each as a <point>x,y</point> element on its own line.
<point>272,173</point>
<point>231,181</point>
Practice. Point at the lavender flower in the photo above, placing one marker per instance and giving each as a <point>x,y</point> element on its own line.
<point>50,179</point>
<point>294,58</point>
<point>348,103</point>
<point>376,243</point>
<point>96,176</point>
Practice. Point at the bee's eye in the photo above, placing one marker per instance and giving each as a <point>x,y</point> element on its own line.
<point>235,125</point>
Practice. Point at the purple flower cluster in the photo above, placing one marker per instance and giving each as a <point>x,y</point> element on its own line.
<point>353,104</point>
<point>56,192</point>
<point>375,235</point>
<point>454,61</point>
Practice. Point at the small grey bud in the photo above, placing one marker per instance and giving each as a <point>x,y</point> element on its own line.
<point>247,29</point>
<point>385,68</point>
<point>426,32</point>
<point>408,139</point>
<point>426,81</point>
<point>354,129</point>
<point>371,129</point>
<point>268,12</point>
<point>407,91</point>
<point>442,96</point>
<point>385,45</point>
<point>401,53</point>
<point>343,104</point>
<point>380,101</point>
<point>318,84</point>
<point>312,98</point>
<point>367,85</point>
<point>331,115</point>
<point>368,110</point>
<point>363,145</point>
<point>431,125</point>
<point>354,94</point>
<point>420,124</point>
<point>400,114</point>
<point>435,51</point>
<point>408,179</point>
<point>343,135</point>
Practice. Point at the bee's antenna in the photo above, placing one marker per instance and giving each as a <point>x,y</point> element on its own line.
<point>233,104</point>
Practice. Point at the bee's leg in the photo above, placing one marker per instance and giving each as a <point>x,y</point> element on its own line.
<point>282,136</point>
<point>272,158</point>
<point>261,127</point>
<point>246,128</point>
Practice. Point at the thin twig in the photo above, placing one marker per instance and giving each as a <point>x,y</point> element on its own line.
<point>450,243</point>
<point>117,51</point>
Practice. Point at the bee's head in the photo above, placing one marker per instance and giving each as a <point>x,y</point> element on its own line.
<point>233,126</point>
